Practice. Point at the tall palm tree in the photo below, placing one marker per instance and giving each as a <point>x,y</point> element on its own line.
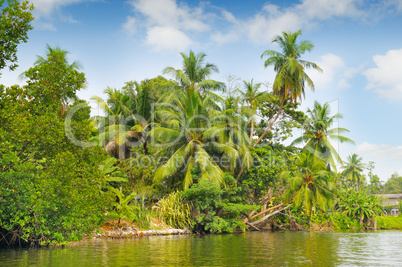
<point>318,133</point>
<point>253,97</point>
<point>195,73</point>
<point>188,136</point>
<point>290,69</point>
<point>311,185</point>
<point>353,169</point>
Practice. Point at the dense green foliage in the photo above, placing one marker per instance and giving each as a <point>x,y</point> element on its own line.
<point>216,209</point>
<point>51,186</point>
<point>15,22</point>
<point>177,146</point>
<point>389,222</point>
<point>393,185</point>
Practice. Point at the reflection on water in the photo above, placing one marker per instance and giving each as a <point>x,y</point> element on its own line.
<point>381,248</point>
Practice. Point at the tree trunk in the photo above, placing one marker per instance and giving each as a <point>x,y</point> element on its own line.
<point>271,123</point>
<point>269,215</point>
<point>252,130</point>
<point>263,212</point>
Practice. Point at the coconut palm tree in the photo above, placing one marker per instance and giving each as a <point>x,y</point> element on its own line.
<point>353,169</point>
<point>253,97</point>
<point>311,185</point>
<point>114,126</point>
<point>186,133</point>
<point>318,133</point>
<point>290,69</point>
<point>195,73</point>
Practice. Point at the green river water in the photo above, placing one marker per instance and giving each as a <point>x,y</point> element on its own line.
<point>379,248</point>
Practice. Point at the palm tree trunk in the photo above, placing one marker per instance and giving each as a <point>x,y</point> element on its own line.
<point>252,130</point>
<point>122,156</point>
<point>271,123</point>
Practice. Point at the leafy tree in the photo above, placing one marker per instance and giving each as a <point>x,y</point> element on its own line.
<point>375,185</point>
<point>290,76</point>
<point>317,133</point>
<point>54,185</point>
<point>15,22</point>
<point>289,119</point>
<point>311,184</point>
<point>393,185</point>
<point>61,79</point>
<point>267,162</point>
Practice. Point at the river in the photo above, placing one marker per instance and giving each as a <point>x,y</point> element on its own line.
<point>380,248</point>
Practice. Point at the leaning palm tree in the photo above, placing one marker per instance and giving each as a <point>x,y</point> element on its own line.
<point>194,75</point>
<point>311,185</point>
<point>318,133</point>
<point>353,169</point>
<point>186,135</point>
<point>290,69</point>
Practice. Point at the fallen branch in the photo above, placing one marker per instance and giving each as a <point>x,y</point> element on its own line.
<point>269,215</point>
<point>263,212</point>
<point>252,226</point>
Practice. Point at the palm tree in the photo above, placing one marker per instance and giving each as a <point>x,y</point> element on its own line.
<point>311,184</point>
<point>290,76</point>
<point>253,98</point>
<point>353,169</point>
<point>317,133</point>
<point>115,126</point>
<point>143,96</point>
<point>195,73</point>
<point>187,135</point>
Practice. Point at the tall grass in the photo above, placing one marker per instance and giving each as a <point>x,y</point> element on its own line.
<point>174,210</point>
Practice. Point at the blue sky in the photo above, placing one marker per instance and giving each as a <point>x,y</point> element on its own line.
<point>358,44</point>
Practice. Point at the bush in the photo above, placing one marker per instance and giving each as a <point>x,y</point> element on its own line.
<point>389,222</point>
<point>217,210</point>
<point>174,210</point>
<point>54,205</point>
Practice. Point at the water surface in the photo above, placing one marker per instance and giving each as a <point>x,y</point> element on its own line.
<point>381,248</point>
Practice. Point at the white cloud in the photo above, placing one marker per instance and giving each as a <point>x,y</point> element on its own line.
<point>161,38</point>
<point>262,28</point>
<point>45,11</point>
<point>130,25</point>
<point>386,78</point>
<point>332,66</point>
<point>326,9</point>
<point>166,17</point>
<point>47,7</point>
<point>272,20</point>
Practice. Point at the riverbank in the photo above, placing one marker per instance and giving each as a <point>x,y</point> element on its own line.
<point>130,232</point>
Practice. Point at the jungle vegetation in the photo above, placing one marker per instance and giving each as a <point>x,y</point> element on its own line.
<point>194,152</point>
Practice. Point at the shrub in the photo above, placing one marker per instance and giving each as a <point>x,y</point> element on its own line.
<point>174,210</point>
<point>389,222</point>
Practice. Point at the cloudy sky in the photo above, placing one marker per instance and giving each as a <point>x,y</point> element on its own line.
<point>358,44</point>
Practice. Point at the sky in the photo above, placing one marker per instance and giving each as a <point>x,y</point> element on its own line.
<point>357,43</point>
